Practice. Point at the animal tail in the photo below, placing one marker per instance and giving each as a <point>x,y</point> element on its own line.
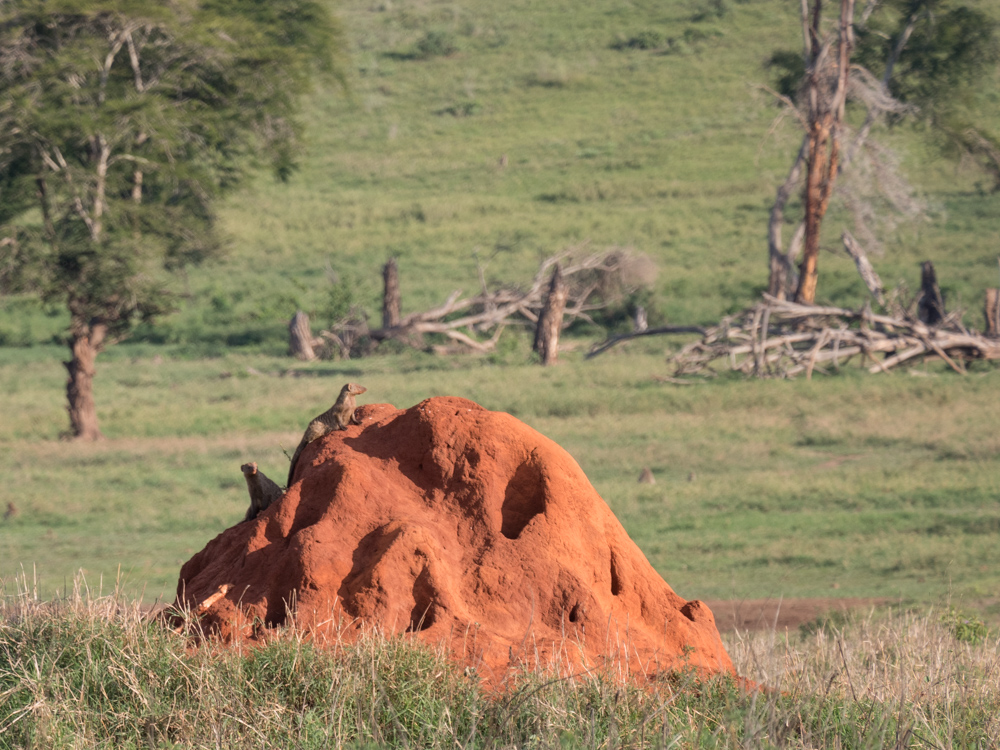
<point>295,461</point>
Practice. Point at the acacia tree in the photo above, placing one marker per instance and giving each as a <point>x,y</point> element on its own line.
<point>120,123</point>
<point>919,60</point>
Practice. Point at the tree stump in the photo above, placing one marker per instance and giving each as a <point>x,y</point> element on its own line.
<point>641,319</point>
<point>930,308</point>
<point>550,320</point>
<point>992,312</point>
<point>390,294</point>
<point>300,338</point>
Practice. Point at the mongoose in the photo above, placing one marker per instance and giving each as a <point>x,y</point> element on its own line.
<point>262,490</point>
<point>11,512</point>
<point>337,417</point>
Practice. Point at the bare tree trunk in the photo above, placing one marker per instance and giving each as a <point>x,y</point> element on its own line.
<point>390,294</point>
<point>85,343</point>
<point>137,186</point>
<point>826,115</point>
<point>992,312</point>
<point>930,308</point>
<point>300,338</point>
<point>641,319</point>
<point>550,320</point>
<point>777,285</point>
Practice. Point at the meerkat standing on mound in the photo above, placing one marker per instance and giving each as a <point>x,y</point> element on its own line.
<point>337,417</point>
<point>262,490</point>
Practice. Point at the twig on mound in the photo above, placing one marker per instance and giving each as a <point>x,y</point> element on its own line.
<point>778,338</point>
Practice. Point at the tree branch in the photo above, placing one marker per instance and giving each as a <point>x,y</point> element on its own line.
<point>133,56</point>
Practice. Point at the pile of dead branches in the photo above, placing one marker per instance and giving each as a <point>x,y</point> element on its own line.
<point>781,339</point>
<point>474,322</point>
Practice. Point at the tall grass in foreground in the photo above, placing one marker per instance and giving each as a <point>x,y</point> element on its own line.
<point>90,671</point>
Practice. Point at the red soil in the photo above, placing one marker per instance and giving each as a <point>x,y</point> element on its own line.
<point>459,525</point>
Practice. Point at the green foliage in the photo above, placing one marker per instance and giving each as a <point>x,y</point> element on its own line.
<point>952,48</point>
<point>125,122</point>
<point>789,69</point>
<point>435,43</point>
<point>340,300</point>
<point>712,10</point>
<point>966,628</point>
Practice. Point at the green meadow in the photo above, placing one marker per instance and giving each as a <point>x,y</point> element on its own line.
<point>500,134</point>
<point>473,135</point>
<point>857,485</point>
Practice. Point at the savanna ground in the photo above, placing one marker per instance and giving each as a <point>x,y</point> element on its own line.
<point>853,485</point>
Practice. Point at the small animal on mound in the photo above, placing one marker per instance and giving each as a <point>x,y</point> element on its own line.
<point>337,417</point>
<point>262,490</point>
<point>11,512</point>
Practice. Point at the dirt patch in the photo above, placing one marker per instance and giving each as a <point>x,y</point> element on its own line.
<point>782,614</point>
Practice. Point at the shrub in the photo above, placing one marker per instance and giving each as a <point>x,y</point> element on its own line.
<point>646,39</point>
<point>965,628</point>
<point>435,44</point>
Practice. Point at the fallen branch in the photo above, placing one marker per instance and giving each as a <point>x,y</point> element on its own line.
<point>778,338</point>
<point>594,281</point>
<point>607,344</point>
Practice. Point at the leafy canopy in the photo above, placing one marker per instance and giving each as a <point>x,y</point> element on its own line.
<point>122,120</point>
<point>945,48</point>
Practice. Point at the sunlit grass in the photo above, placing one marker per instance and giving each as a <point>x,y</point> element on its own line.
<point>858,485</point>
<point>95,669</point>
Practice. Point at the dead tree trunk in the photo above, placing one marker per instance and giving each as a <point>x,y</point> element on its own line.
<point>826,92</point>
<point>550,321</point>
<point>85,343</point>
<point>864,266</point>
<point>300,338</point>
<point>930,308</point>
<point>780,262</point>
<point>390,294</point>
<point>992,312</point>
<point>641,319</point>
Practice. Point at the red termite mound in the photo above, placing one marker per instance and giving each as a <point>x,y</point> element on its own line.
<point>455,524</point>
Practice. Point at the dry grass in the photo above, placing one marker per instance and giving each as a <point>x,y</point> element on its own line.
<point>95,671</point>
<point>941,680</point>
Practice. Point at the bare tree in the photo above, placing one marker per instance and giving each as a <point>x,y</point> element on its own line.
<point>390,294</point>
<point>550,320</point>
<point>930,54</point>
<point>826,97</point>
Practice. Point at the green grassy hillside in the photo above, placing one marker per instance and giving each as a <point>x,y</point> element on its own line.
<point>666,150</point>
